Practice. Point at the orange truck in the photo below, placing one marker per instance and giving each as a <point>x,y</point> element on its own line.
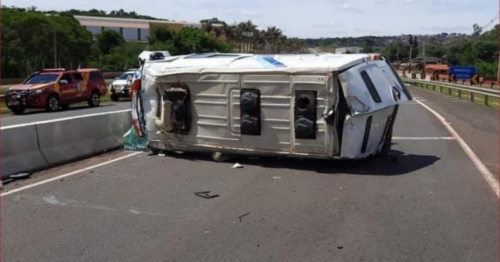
<point>52,89</point>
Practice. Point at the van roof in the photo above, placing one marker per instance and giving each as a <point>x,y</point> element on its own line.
<point>240,63</point>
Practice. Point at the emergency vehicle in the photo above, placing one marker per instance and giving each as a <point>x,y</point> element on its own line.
<point>51,89</point>
<point>304,105</point>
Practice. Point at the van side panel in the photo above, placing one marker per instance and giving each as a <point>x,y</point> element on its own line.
<point>319,84</point>
<point>216,115</point>
<point>275,105</point>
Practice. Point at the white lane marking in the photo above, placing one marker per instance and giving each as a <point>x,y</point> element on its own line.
<point>424,138</point>
<point>68,174</point>
<point>63,119</point>
<point>488,176</point>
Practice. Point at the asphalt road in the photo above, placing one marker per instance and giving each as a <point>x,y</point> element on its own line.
<point>74,110</point>
<point>431,204</point>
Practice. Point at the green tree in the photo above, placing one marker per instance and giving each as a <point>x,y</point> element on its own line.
<point>368,46</point>
<point>122,57</point>
<point>107,40</point>
<point>161,34</point>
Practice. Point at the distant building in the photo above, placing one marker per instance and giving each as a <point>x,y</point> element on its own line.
<point>133,30</point>
<point>348,50</point>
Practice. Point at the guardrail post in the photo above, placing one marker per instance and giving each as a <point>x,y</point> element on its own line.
<point>433,88</point>
<point>471,97</point>
<point>486,100</point>
<point>440,89</point>
<point>491,85</point>
<point>463,82</point>
<point>449,91</point>
<point>459,93</point>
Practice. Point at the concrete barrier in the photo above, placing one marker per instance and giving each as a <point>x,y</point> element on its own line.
<point>72,139</point>
<point>35,146</point>
<point>20,151</point>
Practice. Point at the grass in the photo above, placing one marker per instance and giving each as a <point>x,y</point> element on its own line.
<point>465,95</point>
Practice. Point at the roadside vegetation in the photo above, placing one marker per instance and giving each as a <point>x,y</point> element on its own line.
<point>30,38</point>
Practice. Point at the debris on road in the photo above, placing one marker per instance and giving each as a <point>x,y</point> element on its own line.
<point>133,142</point>
<point>246,214</point>
<point>161,155</point>
<point>237,165</point>
<point>276,177</point>
<point>206,194</point>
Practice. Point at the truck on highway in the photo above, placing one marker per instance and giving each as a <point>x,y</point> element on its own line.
<point>52,89</point>
<point>301,105</point>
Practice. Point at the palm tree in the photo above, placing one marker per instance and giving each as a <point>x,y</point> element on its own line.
<point>246,31</point>
<point>274,35</point>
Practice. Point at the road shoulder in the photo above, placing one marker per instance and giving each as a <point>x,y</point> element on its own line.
<point>478,125</point>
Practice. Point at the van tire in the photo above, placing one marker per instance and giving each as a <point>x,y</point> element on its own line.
<point>94,99</point>
<point>53,103</point>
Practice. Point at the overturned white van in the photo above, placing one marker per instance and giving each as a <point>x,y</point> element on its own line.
<point>310,105</point>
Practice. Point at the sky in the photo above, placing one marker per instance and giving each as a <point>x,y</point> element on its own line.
<point>308,18</point>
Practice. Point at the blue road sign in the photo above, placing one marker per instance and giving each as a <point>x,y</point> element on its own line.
<point>463,72</point>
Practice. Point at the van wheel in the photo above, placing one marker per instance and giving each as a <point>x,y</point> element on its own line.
<point>52,103</point>
<point>94,99</point>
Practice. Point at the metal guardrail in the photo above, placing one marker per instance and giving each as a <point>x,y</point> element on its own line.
<point>473,91</point>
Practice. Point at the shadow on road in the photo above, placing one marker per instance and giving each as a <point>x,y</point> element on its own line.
<point>397,163</point>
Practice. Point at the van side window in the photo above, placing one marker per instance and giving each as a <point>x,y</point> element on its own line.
<point>67,77</point>
<point>371,87</point>
<point>95,75</point>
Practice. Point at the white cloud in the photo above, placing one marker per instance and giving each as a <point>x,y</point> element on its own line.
<point>327,24</point>
<point>311,18</point>
<point>349,8</point>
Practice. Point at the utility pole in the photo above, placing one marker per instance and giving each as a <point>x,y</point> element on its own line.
<point>423,57</point>
<point>55,50</point>
<point>409,60</point>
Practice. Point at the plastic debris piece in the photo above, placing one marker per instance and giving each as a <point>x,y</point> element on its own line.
<point>237,166</point>
<point>276,177</point>
<point>206,194</point>
<point>161,154</point>
<point>132,142</point>
<point>246,214</point>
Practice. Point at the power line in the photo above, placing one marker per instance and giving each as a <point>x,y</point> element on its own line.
<point>492,21</point>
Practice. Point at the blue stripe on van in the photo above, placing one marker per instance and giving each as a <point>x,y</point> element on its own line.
<point>274,62</point>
